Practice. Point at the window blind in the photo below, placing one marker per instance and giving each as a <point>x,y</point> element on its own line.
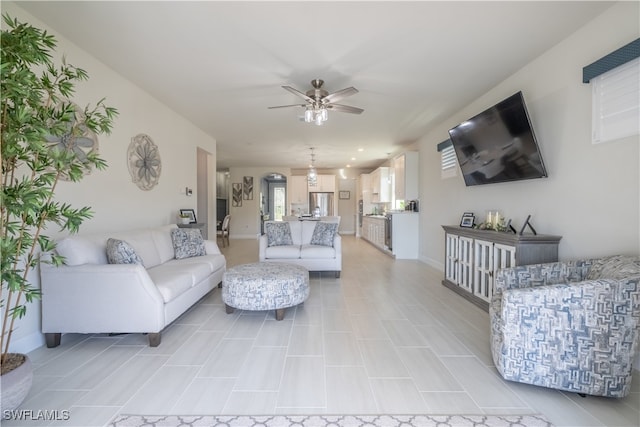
<point>616,103</point>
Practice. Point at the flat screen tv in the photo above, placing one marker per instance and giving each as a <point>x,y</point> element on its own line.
<point>498,145</point>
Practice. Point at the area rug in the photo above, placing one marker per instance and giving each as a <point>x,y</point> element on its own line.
<point>332,421</point>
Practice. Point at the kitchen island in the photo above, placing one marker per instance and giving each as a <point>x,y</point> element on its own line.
<point>404,233</point>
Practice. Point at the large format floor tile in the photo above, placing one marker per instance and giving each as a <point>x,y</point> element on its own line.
<point>385,337</point>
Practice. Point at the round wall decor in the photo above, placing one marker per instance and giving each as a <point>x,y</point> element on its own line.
<point>77,139</point>
<point>143,160</point>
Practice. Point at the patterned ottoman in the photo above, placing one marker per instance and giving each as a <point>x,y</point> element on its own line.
<point>265,286</point>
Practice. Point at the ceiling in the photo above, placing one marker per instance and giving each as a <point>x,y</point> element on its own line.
<point>221,64</point>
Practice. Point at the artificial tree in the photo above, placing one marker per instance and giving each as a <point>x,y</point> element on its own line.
<point>44,136</point>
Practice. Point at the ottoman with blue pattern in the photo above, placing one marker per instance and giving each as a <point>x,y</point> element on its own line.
<point>265,286</point>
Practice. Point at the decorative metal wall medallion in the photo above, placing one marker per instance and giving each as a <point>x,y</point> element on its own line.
<point>77,139</point>
<point>143,160</point>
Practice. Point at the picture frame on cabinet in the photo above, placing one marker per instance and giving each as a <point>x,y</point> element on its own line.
<point>467,220</point>
<point>190,213</point>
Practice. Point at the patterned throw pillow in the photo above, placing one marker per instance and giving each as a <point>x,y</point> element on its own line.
<point>120,252</point>
<point>324,233</point>
<point>187,242</point>
<point>278,233</point>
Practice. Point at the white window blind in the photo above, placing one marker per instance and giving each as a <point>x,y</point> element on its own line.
<point>616,103</point>
<point>448,162</point>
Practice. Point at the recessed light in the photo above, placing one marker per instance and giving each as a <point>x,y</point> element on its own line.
<point>361,149</point>
<point>353,159</point>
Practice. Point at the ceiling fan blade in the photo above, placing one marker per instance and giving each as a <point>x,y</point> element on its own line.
<point>298,93</point>
<point>286,106</point>
<point>345,108</point>
<point>341,94</point>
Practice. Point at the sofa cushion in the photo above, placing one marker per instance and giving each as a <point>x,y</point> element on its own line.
<point>162,239</point>
<point>323,233</point>
<point>296,232</point>
<point>289,252</point>
<point>307,231</point>
<point>317,251</point>
<point>187,242</point>
<point>213,262</point>
<point>171,279</point>
<point>82,250</point>
<point>278,233</point>
<point>120,252</point>
<point>615,267</point>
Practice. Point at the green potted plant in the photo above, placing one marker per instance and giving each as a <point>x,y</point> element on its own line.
<point>45,138</point>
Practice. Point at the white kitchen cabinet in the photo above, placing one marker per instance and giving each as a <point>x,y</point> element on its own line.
<point>373,230</point>
<point>405,169</point>
<point>324,184</point>
<point>380,185</point>
<point>472,258</point>
<point>298,193</point>
<point>404,235</point>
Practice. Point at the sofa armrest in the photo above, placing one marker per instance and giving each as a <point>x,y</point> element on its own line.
<point>92,298</point>
<point>212,248</point>
<point>262,247</point>
<point>593,308</point>
<point>526,276</point>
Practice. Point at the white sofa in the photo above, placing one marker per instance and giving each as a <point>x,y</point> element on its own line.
<point>90,295</point>
<point>313,257</point>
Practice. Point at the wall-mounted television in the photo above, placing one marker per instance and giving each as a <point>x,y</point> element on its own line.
<point>498,145</point>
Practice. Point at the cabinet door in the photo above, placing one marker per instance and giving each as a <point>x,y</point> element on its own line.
<point>399,174</point>
<point>299,190</point>
<point>451,258</point>
<point>504,256</point>
<point>483,269</point>
<point>465,263</point>
<point>327,183</point>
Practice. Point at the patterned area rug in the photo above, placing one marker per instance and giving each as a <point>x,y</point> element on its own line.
<point>332,421</point>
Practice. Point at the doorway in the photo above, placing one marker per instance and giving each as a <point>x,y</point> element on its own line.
<point>273,198</point>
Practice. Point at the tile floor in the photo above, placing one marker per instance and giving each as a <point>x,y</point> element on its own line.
<point>386,337</point>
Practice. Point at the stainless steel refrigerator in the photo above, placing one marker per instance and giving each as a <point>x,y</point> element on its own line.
<point>323,201</point>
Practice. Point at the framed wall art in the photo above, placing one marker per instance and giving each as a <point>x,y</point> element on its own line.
<point>247,188</point>
<point>236,194</point>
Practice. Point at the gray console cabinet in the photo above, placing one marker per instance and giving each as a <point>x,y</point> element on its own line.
<point>473,256</point>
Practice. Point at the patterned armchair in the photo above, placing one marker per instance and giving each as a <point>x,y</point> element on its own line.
<point>571,326</point>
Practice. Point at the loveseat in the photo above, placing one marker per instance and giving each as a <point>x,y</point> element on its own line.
<point>315,245</point>
<point>572,326</point>
<point>130,282</point>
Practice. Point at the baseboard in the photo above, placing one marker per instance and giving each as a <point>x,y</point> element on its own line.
<point>432,263</point>
<point>27,344</point>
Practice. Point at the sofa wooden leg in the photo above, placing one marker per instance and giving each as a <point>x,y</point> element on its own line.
<point>52,339</point>
<point>228,309</point>
<point>280,314</point>
<point>220,285</point>
<point>154,339</point>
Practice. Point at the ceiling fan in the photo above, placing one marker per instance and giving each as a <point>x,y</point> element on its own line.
<point>320,101</point>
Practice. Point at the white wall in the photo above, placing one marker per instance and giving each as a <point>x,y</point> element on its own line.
<point>117,202</point>
<point>592,195</point>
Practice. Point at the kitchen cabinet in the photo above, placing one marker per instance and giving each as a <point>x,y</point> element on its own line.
<point>472,258</point>
<point>405,169</point>
<point>380,185</point>
<point>298,193</point>
<point>373,230</point>
<point>324,184</point>
<point>404,235</point>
